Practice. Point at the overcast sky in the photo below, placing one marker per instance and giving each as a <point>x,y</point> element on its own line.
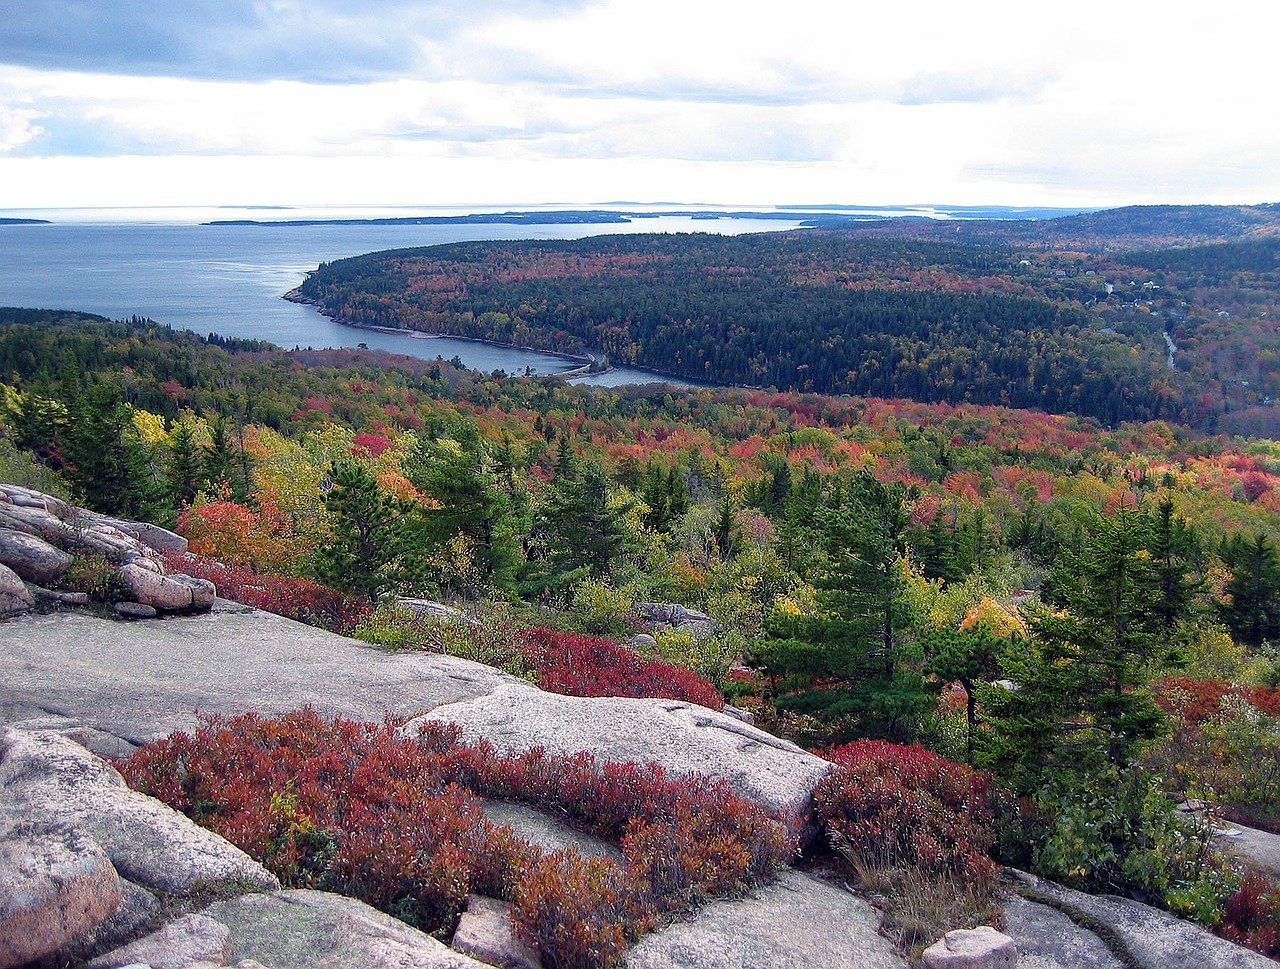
<point>364,102</point>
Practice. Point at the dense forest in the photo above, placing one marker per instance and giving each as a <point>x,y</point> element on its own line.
<point>1012,319</point>
<point>867,567</point>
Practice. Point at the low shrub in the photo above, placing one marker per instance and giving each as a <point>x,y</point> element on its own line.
<point>578,665</point>
<point>915,829</point>
<point>485,633</point>
<point>900,805</point>
<point>1251,916</point>
<point>359,809</point>
<point>293,598</point>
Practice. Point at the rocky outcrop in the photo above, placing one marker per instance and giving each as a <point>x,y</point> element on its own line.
<point>183,943</point>
<point>486,932</point>
<point>1156,939</point>
<point>15,597</point>
<point>682,738</point>
<point>316,930</point>
<point>1048,939</point>
<point>167,593</point>
<point>40,537</point>
<point>669,615</point>
<point>144,681</point>
<point>34,559</point>
<point>44,774</point>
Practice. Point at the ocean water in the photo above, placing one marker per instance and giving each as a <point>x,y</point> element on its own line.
<point>230,280</point>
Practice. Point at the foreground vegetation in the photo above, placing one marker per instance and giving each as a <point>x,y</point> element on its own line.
<point>872,569</point>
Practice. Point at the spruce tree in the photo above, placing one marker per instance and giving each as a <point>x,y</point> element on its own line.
<point>1083,703</point>
<point>184,471</point>
<point>841,665</point>
<point>376,541</point>
<point>1252,608</point>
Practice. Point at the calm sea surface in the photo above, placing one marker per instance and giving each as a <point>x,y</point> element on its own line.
<point>229,280</point>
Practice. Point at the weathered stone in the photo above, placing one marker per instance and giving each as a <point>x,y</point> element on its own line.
<point>1260,849</point>
<point>1157,939</point>
<point>487,932</point>
<point>143,681</point>
<point>547,832</point>
<point>137,907</point>
<point>152,536</point>
<point>15,597</point>
<point>180,944</point>
<point>32,558</point>
<point>746,716</point>
<point>44,774</point>
<point>796,921</point>
<point>56,885</point>
<point>643,641</point>
<point>1047,939</point>
<point>436,610</point>
<point>670,613</point>
<point>30,498</point>
<point>167,593</point>
<point>683,738</point>
<point>977,948</point>
<point>315,930</point>
<point>134,610</point>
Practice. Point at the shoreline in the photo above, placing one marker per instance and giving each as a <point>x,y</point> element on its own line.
<point>583,361</point>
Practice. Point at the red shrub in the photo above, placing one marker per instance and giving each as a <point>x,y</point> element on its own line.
<point>293,598</point>
<point>1195,701</point>
<point>591,666</point>
<point>904,806</point>
<point>359,809</point>
<point>1253,915</point>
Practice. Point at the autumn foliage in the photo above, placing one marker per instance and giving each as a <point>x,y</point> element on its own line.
<point>293,598</point>
<point>578,665</point>
<point>899,805</point>
<point>361,809</point>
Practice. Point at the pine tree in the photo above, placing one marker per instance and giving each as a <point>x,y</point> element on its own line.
<point>727,531</point>
<point>107,463</point>
<point>969,657</point>
<point>218,461</point>
<point>183,472</point>
<point>1175,551</point>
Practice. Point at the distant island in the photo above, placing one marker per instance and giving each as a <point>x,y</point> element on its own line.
<point>25,222</point>
<point>805,216</point>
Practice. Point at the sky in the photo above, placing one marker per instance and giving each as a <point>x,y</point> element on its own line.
<point>496,102</point>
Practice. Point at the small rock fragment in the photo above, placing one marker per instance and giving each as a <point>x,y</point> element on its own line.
<point>135,610</point>
<point>486,932</point>
<point>979,948</point>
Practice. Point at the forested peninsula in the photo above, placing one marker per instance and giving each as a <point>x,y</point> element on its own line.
<point>1047,315</point>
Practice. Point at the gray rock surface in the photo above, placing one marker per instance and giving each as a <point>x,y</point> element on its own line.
<point>15,597</point>
<point>1157,939</point>
<point>56,885</point>
<point>143,681</point>
<point>152,536</point>
<point>44,774</point>
<point>1047,939</point>
<point>182,943</point>
<point>547,832</point>
<point>34,559</point>
<point>681,737</point>
<point>137,907</point>
<point>315,930</point>
<point>486,932</point>
<point>797,921</point>
<point>1260,849</point>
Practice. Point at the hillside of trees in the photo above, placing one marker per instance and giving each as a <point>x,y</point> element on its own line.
<point>1019,318</point>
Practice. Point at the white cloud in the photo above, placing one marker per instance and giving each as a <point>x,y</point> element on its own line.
<point>815,100</point>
